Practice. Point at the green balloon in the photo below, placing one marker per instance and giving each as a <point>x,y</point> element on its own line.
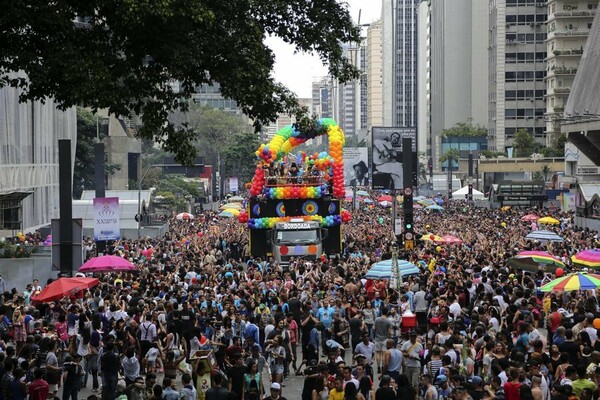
<point>465,209</point>
<point>381,220</point>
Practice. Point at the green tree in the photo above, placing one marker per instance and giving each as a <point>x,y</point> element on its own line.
<point>124,56</point>
<point>524,143</point>
<point>465,129</point>
<point>87,136</point>
<point>451,155</point>
<point>238,156</point>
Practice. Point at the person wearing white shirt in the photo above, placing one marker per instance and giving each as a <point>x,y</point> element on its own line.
<point>455,308</point>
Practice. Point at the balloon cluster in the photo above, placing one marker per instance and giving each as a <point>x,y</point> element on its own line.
<point>295,192</point>
<point>48,241</point>
<point>243,217</point>
<point>258,182</point>
<point>21,237</point>
<point>346,216</point>
<point>147,252</point>
<point>289,137</point>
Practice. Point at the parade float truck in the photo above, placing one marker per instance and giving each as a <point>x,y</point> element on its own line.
<point>291,216</point>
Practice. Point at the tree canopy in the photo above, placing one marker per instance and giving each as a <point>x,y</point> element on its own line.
<point>124,56</point>
<point>524,143</point>
<point>465,129</point>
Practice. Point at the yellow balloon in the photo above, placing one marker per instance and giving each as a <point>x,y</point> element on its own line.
<point>438,249</point>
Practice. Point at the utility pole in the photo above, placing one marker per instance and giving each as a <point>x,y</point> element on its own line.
<point>470,181</point>
<point>407,155</point>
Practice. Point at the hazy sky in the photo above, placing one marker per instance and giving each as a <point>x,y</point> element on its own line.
<point>296,71</point>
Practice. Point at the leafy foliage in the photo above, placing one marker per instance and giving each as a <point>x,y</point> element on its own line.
<point>11,250</point>
<point>83,176</point>
<point>492,154</point>
<point>175,192</point>
<point>524,143</point>
<point>465,129</point>
<point>453,154</point>
<point>124,56</point>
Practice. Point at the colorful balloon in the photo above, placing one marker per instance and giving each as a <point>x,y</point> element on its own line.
<point>559,272</point>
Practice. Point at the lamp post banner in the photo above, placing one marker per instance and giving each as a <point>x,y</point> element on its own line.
<point>107,218</point>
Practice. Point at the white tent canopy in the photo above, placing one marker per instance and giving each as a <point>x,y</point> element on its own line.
<point>460,194</point>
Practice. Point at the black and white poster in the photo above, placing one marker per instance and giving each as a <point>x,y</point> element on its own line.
<point>387,165</point>
<point>356,166</point>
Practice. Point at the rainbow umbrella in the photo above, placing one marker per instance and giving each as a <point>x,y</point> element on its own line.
<point>535,261</point>
<point>576,281</point>
<point>589,258</point>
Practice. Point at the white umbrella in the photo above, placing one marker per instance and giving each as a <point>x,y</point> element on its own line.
<point>184,216</point>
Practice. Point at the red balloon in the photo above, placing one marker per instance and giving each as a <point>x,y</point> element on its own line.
<point>559,272</point>
<point>431,237</point>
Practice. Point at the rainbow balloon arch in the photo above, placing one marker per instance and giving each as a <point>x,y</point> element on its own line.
<point>329,164</point>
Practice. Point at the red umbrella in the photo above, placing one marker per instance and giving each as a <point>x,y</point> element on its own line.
<point>64,287</point>
<point>529,218</point>
<point>384,197</point>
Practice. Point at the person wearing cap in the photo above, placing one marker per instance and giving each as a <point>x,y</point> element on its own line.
<point>476,390</point>
<point>443,388</point>
<point>275,392</point>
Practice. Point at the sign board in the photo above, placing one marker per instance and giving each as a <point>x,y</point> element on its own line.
<point>233,184</point>
<point>387,161</point>
<point>356,166</point>
<point>398,226</point>
<point>107,221</point>
<point>296,226</point>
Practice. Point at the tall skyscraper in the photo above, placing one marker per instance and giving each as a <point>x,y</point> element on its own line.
<point>321,104</point>
<point>374,76</point>
<point>517,69</point>
<point>453,69</point>
<point>569,24</point>
<point>399,37</point>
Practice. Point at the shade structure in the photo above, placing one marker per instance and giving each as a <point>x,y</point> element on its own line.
<point>368,201</point>
<point>589,258</point>
<point>64,287</point>
<point>233,211</point>
<point>548,221</point>
<point>107,264</point>
<point>362,193</point>
<point>184,216</point>
<point>529,218</point>
<point>385,203</point>
<point>435,207</point>
<point>226,214</point>
<point>384,270</point>
<point>534,261</point>
<point>460,194</point>
<point>236,198</point>
<point>576,281</point>
<point>235,206</point>
<point>449,239</point>
<point>426,202</point>
<point>543,235</point>
<point>385,197</point>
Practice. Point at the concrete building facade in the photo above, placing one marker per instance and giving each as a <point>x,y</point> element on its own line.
<point>453,69</point>
<point>569,23</point>
<point>517,69</point>
<point>374,76</point>
<point>399,38</point>
<point>29,181</point>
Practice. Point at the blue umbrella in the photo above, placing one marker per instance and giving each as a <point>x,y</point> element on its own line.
<point>226,214</point>
<point>383,269</point>
<point>362,193</point>
<point>435,207</point>
<point>439,201</point>
<point>368,200</point>
<point>543,235</point>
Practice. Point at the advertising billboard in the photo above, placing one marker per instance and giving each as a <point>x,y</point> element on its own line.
<point>356,166</point>
<point>387,163</point>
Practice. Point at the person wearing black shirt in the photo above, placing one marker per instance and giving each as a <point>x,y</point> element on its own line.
<point>236,377</point>
<point>570,347</point>
<point>110,373</point>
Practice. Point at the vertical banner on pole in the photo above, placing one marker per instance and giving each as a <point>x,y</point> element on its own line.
<point>107,218</point>
<point>407,155</point>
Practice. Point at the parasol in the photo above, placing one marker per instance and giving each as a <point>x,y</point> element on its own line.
<point>64,287</point>
<point>107,264</point>
<point>576,281</point>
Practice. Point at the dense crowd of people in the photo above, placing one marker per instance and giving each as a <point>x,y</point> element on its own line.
<point>483,329</point>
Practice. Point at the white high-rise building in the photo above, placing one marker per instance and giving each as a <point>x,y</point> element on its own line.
<point>374,76</point>
<point>453,68</point>
<point>399,38</point>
